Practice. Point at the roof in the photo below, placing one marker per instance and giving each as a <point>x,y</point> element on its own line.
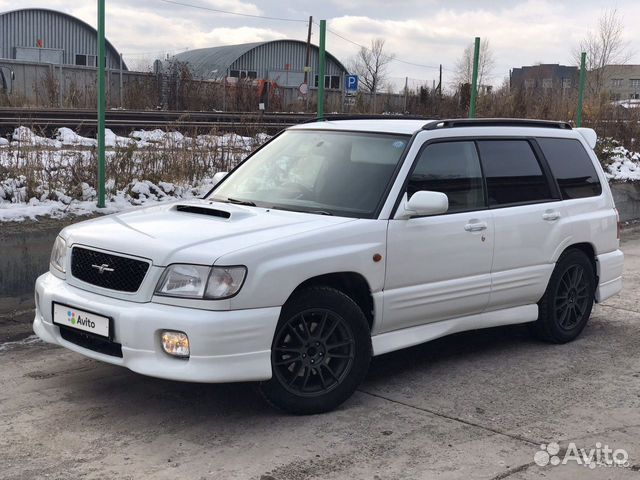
<point>392,125</point>
<point>204,61</point>
<point>82,23</point>
<point>479,127</point>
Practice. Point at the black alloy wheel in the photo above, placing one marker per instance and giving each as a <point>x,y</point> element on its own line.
<point>320,352</point>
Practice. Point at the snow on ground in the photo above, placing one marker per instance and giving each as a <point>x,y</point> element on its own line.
<point>146,194</point>
<point>625,164</point>
<point>59,160</point>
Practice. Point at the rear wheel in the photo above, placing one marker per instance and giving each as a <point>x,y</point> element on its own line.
<point>566,305</point>
<point>320,353</point>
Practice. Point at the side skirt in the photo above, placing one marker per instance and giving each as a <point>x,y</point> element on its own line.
<point>408,337</point>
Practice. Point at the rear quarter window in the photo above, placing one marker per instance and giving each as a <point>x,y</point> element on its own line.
<point>571,166</point>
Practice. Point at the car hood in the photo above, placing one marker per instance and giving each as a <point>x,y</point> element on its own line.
<point>195,231</point>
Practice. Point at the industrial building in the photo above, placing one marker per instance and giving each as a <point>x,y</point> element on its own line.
<point>621,82</point>
<point>47,36</point>
<point>279,61</point>
<point>545,78</point>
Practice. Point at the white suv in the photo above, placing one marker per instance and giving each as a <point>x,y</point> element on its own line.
<point>337,241</point>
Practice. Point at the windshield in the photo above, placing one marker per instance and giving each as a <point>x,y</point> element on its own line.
<point>317,171</point>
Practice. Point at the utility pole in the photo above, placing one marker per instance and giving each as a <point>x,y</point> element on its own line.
<point>406,92</point>
<point>307,63</point>
<point>121,85</point>
<point>474,79</point>
<point>101,105</point>
<point>583,58</point>
<point>321,68</point>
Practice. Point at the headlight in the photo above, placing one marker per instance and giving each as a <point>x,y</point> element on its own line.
<point>199,281</point>
<point>59,254</point>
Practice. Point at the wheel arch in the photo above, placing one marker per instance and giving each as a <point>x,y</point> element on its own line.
<point>588,249</point>
<point>352,284</point>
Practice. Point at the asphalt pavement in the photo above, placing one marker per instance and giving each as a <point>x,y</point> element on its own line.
<point>487,404</point>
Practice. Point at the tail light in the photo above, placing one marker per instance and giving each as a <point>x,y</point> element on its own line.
<point>618,224</point>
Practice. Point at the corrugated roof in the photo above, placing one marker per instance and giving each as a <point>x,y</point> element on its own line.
<point>203,61</point>
<point>48,11</point>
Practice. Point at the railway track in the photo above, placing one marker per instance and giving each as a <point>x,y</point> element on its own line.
<point>124,121</point>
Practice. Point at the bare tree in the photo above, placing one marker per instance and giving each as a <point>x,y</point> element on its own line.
<point>370,64</point>
<point>464,65</point>
<point>605,46</point>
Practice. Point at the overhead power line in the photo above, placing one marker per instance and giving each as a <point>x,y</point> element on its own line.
<point>217,10</point>
<point>299,20</point>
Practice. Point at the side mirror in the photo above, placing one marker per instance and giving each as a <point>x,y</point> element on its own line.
<point>217,178</point>
<point>424,203</point>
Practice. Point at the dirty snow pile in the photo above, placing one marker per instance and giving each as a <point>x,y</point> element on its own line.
<point>42,176</point>
<point>622,164</point>
<point>140,193</point>
<point>65,137</point>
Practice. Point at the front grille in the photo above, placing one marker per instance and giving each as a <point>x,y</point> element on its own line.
<point>117,273</point>
<point>91,342</point>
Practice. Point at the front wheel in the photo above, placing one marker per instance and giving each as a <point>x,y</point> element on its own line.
<point>320,353</point>
<point>566,305</point>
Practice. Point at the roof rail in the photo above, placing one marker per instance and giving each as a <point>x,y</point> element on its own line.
<point>495,122</point>
<point>340,116</point>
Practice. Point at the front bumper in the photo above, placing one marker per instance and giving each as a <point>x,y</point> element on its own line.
<point>226,346</point>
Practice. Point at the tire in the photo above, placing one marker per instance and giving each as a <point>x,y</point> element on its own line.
<point>320,352</point>
<point>566,305</point>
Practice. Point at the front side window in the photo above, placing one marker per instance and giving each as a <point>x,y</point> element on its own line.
<point>512,172</point>
<point>571,166</point>
<point>452,168</point>
<point>318,171</point>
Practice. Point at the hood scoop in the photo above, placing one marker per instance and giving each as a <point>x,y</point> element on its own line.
<point>212,212</point>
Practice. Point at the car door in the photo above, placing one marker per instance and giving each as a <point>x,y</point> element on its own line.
<point>438,267</point>
<point>530,220</point>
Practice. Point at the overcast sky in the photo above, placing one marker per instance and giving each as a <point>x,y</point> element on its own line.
<point>427,32</point>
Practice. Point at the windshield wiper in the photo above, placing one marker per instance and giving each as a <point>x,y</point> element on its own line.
<point>317,212</point>
<point>236,201</point>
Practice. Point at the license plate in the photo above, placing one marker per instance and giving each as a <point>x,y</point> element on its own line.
<point>81,320</point>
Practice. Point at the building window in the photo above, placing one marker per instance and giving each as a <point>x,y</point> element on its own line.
<point>87,60</point>
<point>252,74</point>
<point>566,83</point>
<point>529,83</point>
<point>635,83</point>
<point>616,82</point>
<point>330,82</point>
<point>547,83</point>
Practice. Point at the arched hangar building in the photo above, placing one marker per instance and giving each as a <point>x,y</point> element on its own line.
<point>47,36</point>
<point>280,61</point>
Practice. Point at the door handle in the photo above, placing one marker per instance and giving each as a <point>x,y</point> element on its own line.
<point>550,216</point>
<point>475,227</point>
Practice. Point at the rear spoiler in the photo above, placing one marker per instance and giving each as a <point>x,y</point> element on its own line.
<point>589,135</point>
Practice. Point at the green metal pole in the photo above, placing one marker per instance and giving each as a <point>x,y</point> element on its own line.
<point>583,60</point>
<point>321,68</point>
<point>474,79</point>
<point>101,104</point>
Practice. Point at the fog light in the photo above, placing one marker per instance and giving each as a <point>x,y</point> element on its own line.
<point>175,343</point>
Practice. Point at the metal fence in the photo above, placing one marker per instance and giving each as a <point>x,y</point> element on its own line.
<point>38,85</point>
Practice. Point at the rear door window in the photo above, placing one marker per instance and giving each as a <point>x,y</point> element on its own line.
<point>513,173</point>
<point>571,166</point>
